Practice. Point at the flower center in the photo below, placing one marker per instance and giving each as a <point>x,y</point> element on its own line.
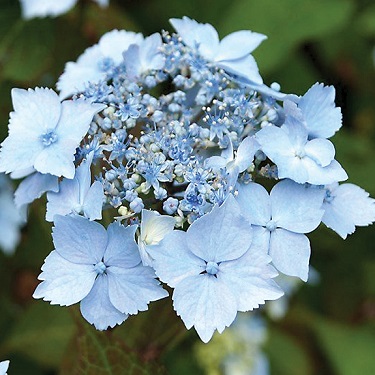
<point>48,138</point>
<point>212,268</point>
<point>100,268</point>
<point>300,152</point>
<point>271,225</point>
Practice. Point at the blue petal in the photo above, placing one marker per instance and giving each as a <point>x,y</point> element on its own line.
<point>97,308</point>
<point>290,253</point>
<point>75,119</point>
<point>250,279</point>
<point>64,283</point>
<point>238,44</point>
<point>220,235</point>
<point>321,151</point>
<point>132,289</point>
<point>57,159</point>
<point>150,56</point>
<point>33,187</point>
<point>93,201</point>
<point>113,43</point>
<point>197,34</point>
<point>322,117</point>
<point>35,110</point>
<point>275,142</point>
<point>255,203</point>
<point>77,74</point>
<point>64,201</point>
<point>245,153</point>
<point>122,250</point>
<point>79,240</point>
<point>296,207</point>
<point>327,175</point>
<point>245,67</point>
<point>173,260</point>
<point>4,367</point>
<point>205,302</point>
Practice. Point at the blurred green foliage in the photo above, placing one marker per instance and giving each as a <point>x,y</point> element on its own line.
<point>330,328</point>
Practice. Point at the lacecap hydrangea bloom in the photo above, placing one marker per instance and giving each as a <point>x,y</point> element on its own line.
<point>208,179</point>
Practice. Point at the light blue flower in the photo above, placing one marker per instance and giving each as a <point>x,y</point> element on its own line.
<point>144,57</point>
<point>100,268</point>
<point>216,269</point>
<point>44,133</point>
<point>96,62</point>
<point>322,118</point>
<point>170,205</point>
<point>347,206</point>
<point>298,158</point>
<point>44,8</point>
<point>231,53</point>
<point>77,196</point>
<point>280,219</point>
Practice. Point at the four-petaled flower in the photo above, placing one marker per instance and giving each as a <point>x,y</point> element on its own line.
<point>280,219</point>
<point>44,133</point>
<point>101,269</point>
<point>216,269</point>
<point>231,53</point>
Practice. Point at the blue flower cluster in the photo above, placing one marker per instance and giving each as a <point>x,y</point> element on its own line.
<point>172,140</point>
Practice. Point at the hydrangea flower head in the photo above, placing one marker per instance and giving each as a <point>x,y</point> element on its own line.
<point>281,218</point>
<point>185,128</point>
<point>53,131</point>
<point>216,269</point>
<point>231,53</point>
<point>100,268</point>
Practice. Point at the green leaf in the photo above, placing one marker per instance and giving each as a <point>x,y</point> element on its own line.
<point>26,49</point>
<point>101,353</point>
<point>42,334</point>
<point>350,350</point>
<point>286,355</point>
<point>287,24</point>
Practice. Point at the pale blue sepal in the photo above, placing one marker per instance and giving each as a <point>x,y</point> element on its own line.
<point>290,253</point>
<point>206,303</point>
<point>79,240</point>
<point>64,283</point>
<point>97,308</point>
<point>33,187</point>
<point>132,289</point>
